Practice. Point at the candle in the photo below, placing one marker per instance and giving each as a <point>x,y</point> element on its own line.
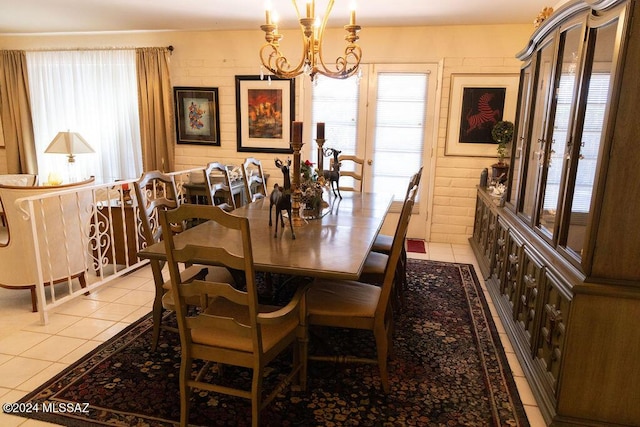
<point>268,14</point>
<point>308,8</point>
<point>320,131</point>
<point>297,132</point>
<point>352,21</point>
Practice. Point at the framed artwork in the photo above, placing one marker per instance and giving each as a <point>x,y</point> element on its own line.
<point>197,115</point>
<point>476,103</point>
<point>264,111</point>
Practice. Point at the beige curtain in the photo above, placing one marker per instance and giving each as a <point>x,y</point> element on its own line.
<point>15,111</point>
<point>156,109</point>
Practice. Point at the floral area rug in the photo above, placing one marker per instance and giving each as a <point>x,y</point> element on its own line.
<point>448,369</point>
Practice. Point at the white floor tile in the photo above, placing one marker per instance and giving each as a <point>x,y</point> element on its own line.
<point>142,311</point>
<point>20,342</point>
<point>57,322</point>
<point>5,358</point>
<point>110,332</point>
<point>87,329</point>
<point>534,416</point>
<point>137,297</point>
<point>80,307</point>
<point>114,311</point>
<point>108,294</point>
<point>53,348</point>
<point>20,369</point>
<point>41,377</point>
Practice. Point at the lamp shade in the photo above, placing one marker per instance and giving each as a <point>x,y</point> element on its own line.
<point>69,143</point>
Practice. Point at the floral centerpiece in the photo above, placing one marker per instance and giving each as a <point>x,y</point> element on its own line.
<point>311,189</point>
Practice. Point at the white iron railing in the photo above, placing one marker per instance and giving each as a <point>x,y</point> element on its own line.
<point>100,229</point>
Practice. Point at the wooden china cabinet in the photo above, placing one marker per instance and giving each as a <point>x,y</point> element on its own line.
<point>561,258</point>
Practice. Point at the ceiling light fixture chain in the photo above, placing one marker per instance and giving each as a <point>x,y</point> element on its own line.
<point>312,62</point>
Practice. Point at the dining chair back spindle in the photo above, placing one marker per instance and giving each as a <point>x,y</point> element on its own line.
<point>352,168</point>
<point>233,329</point>
<point>218,186</point>
<point>358,305</point>
<point>255,183</point>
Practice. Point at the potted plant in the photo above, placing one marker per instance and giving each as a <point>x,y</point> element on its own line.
<point>502,133</point>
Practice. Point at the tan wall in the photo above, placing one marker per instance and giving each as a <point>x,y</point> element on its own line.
<point>212,59</point>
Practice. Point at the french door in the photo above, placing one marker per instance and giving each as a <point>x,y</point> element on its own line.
<point>387,117</point>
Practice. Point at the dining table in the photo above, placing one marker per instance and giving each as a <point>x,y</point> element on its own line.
<point>333,245</point>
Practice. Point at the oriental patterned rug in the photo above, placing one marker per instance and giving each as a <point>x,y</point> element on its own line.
<point>448,369</point>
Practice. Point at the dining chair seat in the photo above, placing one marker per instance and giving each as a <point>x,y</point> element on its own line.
<point>373,272</point>
<point>382,243</point>
<point>332,299</point>
<point>272,334</point>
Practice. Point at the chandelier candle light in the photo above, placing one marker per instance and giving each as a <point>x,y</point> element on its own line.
<point>311,63</point>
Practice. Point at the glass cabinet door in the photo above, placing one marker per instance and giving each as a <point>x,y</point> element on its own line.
<point>558,144</point>
<point>522,130</point>
<point>599,70</point>
<point>536,143</point>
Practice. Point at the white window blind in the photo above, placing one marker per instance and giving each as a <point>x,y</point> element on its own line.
<point>399,133</point>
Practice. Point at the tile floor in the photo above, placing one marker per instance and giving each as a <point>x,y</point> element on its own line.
<point>31,353</point>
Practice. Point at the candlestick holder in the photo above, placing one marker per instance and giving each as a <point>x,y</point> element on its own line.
<point>296,193</point>
<point>320,142</point>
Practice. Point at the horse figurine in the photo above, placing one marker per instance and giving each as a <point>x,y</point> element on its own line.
<point>333,175</point>
<point>281,197</point>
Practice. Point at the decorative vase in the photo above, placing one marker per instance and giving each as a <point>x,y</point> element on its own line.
<point>499,172</point>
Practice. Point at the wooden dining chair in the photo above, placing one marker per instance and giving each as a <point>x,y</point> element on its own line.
<point>155,192</point>
<point>383,243</point>
<point>359,305</point>
<point>233,329</point>
<point>221,185</point>
<point>255,184</point>
<point>351,167</point>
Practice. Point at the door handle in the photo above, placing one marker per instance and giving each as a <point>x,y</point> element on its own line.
<point>369,162</point>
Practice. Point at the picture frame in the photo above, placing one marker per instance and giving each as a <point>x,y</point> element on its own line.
<point>197,115</point>
<point>476,102</point>
<point>264,111</point>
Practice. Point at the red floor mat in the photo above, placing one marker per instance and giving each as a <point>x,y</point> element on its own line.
<point>416,246</point>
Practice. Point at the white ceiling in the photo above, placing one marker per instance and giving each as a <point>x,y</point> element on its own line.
<point>72,16</point>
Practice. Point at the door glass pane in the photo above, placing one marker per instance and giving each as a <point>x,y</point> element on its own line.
<point>598,93</point>
<point>557,148</point>
<point>523,128</point>
<point>399,132</point>
<point>536,142</point>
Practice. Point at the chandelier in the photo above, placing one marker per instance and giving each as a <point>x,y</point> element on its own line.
<point>311,63</point>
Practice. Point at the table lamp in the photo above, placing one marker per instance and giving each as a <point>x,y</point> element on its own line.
<point>69,143</point>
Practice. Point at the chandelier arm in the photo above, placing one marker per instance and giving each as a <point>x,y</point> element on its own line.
<point>312,62</point>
